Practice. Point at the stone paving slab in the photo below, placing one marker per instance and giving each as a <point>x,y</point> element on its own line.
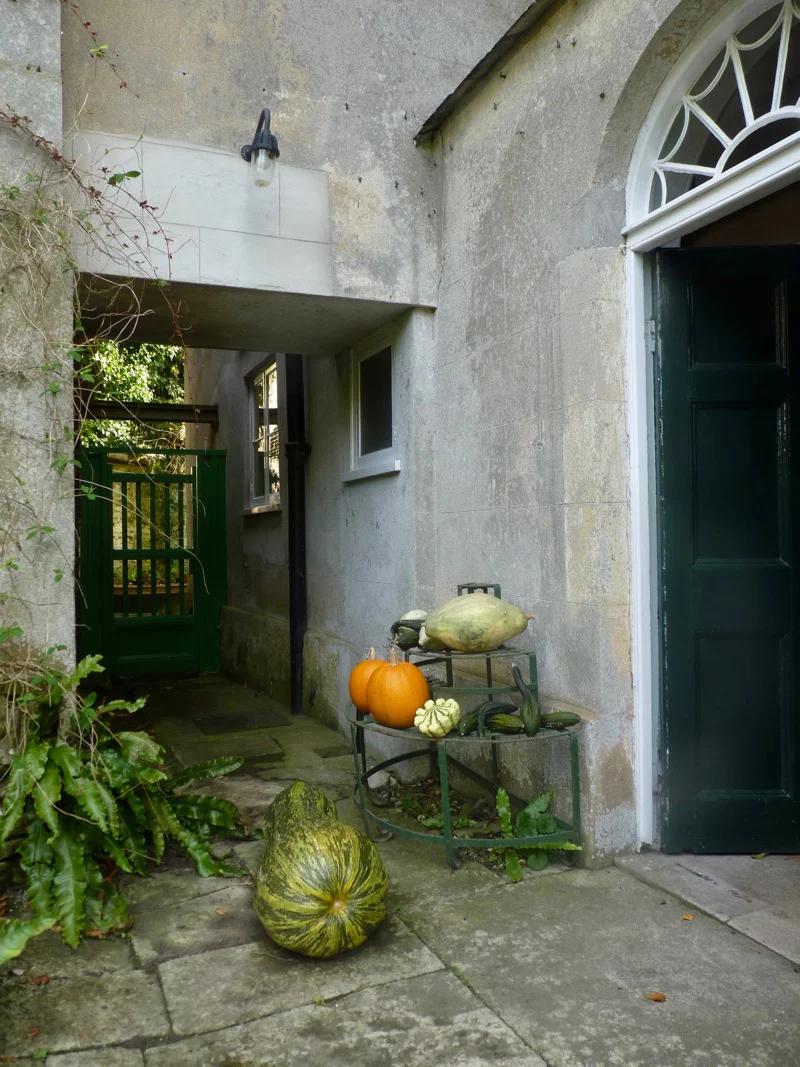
<point>81,1012</point>
<point>777,932</point>
<point>260,979</point>
<point>713,895</point>
<point>758,897</point>
<point>102,1057</point>
<point>251,794</point>
<point>213,921</point>
<point>770,881</point>
<point>567,963</point>
<point>412,1023</point>
<point>92,958</point>
<point>166,888</point>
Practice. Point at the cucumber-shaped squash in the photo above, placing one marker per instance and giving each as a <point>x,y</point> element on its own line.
<point>321,887</point>
<point>503,723</point>
<point>474,719</point>
<point>560,720</point>
<point>475,622</point>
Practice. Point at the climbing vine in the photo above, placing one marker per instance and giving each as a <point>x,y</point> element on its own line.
<point>80,798</point>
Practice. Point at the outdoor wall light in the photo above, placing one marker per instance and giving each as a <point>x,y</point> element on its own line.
<point>263,151</point>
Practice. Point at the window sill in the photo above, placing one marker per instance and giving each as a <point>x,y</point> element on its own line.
<point>262,509</point>
<point>376,470</point>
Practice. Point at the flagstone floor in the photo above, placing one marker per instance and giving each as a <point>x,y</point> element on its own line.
<point>468,970</point>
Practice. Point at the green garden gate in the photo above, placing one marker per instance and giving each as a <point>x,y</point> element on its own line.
<point>152,558</point>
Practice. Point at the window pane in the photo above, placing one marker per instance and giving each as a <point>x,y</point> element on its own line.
<point>375,391</point>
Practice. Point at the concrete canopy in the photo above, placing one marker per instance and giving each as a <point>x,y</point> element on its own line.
<point>229,317</point>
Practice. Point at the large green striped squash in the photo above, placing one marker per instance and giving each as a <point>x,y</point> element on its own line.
<point>321,887</point>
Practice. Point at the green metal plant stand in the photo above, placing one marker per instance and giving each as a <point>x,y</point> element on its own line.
<point>437,749</point>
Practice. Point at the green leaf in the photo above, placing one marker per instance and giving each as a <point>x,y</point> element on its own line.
<point>159,843</point>
<point>139,748</point>
<point>431,822</point>
<point>117,179</point>
<point>98,803</point>
<point>204,860</point>
<point>559,846</point>
<point>105,907</point>
<point>69,763</point>
<point>201,772</point>
<point>132,839</point>
<point>116,770</point>
<point>27,767</point>
<point>36,860</point>
<point>69,884</point>
<point>98,51</point>
<point>504,812</point>
<point>529,824</point>
<point>47,794</point>
<point>83,668</point>
<point>512,864</point>
<point>537,859</point>
<point>541,804</point>
<point>212,811</point>
<point>123,705</point>
<point>16,933</point>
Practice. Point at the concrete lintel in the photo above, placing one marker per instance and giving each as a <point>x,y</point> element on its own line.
<point>230,317</point>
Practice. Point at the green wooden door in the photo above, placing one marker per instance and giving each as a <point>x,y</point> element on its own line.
<point>152,573</point>
<point>727,407</point>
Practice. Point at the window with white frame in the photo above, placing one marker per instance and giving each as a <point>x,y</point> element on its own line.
<point>746,102</point>
<point>265,475</point>
<point>372,412</point>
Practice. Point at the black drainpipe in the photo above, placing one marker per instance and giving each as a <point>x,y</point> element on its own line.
<point>296,452</point>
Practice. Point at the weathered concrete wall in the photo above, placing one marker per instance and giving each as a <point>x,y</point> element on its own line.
<point>348,85</point>
<point>532,483</point>
<point>370,542</point>
<point>35,338</point>
<point>254,640</point>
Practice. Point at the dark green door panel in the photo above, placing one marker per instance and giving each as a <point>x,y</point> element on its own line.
<point>728,342</point>
<point>152,571</point>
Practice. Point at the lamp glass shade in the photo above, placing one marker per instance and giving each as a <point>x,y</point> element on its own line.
<point>264,172</point>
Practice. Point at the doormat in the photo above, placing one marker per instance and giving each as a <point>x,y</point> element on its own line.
<point>236,721</point>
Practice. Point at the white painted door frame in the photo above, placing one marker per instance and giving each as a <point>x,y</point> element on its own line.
<point>751,180</point>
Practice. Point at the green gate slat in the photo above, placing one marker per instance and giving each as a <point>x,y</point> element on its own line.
<point>141,630</point>
<point>138,498</point>
<point>168,563</point>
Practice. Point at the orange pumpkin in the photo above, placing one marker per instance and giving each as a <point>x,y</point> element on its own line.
<point>360,675</point>
<point>395,691</point>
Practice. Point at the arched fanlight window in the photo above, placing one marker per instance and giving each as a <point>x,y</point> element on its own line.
<point>747,100</point>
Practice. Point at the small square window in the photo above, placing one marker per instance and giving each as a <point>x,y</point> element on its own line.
<point>264,443</point>
<point>372,448</point>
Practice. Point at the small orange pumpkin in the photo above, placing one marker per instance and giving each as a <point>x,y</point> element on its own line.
<point>360,675</point>
<point>395,691</point>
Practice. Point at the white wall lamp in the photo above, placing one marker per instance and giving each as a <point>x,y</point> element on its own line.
<point>263,151</point>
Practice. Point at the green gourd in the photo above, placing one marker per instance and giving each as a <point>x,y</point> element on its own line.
<point>321,887</point>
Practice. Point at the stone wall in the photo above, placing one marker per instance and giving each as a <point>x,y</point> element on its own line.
<point>35,338</point>
<point>254,638</point>
<point>532,465</point>
<point>348,85</point>
<point>370,542</point>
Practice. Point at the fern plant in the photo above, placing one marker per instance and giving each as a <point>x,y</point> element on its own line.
<point>533,820</point>
<point>82,801</point>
